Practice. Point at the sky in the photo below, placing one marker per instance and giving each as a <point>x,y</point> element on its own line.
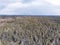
<point>29,7</point>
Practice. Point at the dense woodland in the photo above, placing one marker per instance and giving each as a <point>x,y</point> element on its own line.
<point>29,30</point>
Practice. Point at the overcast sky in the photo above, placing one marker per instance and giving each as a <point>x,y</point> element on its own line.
<point>30,7</point>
